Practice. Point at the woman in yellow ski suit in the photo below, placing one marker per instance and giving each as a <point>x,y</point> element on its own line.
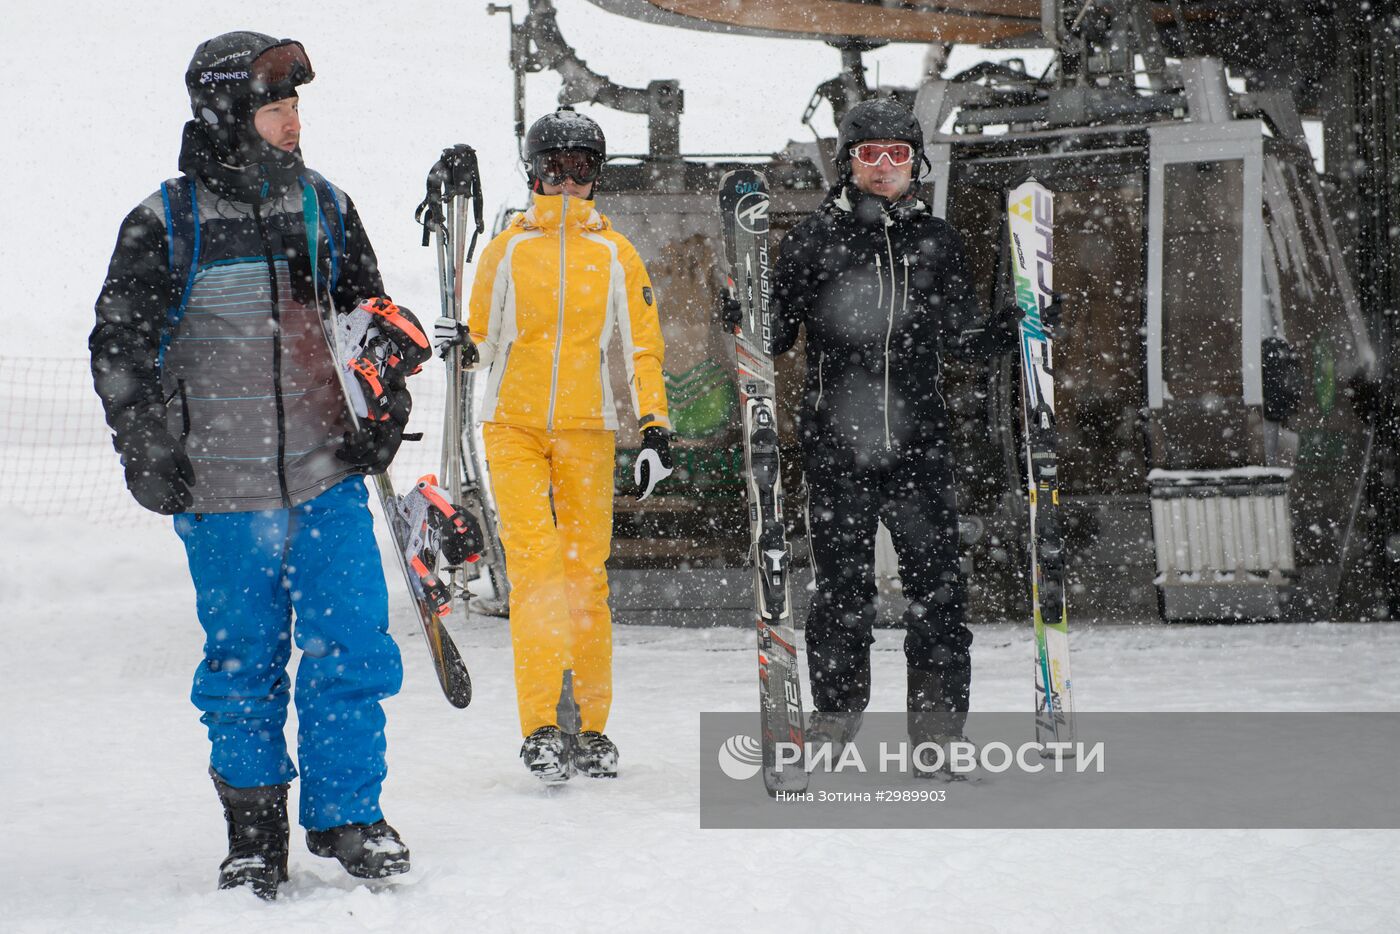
<point>549,291</point>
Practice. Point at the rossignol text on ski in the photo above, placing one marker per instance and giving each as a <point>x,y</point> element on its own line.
<point>743,204</point>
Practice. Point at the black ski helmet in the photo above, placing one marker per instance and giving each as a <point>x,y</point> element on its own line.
<point>231,76</point>
<point>564,129</point>
<point>880,118</point>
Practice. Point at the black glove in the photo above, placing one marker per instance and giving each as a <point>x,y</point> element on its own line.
<point>1003,329</point>
<point>653,461</point>
<point>375,443</point>
<point>1004,325</point>
<point>731,312</point>
<point>158,472</point>
<point>1050,314</point>
<point>372,447</point>
<point>470,355</point>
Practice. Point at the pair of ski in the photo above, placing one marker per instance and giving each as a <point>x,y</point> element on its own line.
<point>744,209</point>
<point>1030,211</point>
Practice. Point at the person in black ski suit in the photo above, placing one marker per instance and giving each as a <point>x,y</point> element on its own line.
<point>225,404</point>
<point>883,290</point>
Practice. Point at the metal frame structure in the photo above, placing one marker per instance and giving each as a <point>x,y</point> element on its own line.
<point>1241,140</point>
<point>536,44</point>
<point>1137,89</point>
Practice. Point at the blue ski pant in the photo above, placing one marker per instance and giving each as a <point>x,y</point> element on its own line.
<point>253,573</point>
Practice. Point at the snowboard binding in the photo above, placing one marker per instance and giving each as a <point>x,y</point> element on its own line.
<point>437,527</point>
<point>383,345</point>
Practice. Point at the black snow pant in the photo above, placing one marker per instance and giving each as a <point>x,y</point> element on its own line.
<point>913,493</point>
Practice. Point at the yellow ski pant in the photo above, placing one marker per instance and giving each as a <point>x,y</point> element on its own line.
<point>555,558</point>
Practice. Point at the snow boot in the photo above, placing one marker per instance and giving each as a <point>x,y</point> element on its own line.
<point>367,851</point>
<point>942,769</point>
<point>547,755</point>
<point>937,713</point>
<point>836,727</point>
<point>595,755</point>
<point>257,837</point>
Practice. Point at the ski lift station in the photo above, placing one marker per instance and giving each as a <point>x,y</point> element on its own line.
<point>1225,363</point>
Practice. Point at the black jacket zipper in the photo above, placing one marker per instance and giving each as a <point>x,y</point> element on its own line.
<point>276,360</point>
<point>889,327</point>
<point>184,411</point>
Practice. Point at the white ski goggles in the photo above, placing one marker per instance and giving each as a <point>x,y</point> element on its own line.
<point>896,154</point>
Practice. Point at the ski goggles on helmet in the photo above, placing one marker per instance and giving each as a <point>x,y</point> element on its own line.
<point>283,66</point>
<point>555,165</point>
<point>873,153</point>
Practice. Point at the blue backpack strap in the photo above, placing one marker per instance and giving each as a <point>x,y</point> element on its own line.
<point>182,244</point>
<point>331,222</point>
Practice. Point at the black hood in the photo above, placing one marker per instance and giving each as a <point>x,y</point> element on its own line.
<point>254,183</point>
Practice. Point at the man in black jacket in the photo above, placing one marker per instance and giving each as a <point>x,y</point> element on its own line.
<point>883,290</point>
<point>226,406</point>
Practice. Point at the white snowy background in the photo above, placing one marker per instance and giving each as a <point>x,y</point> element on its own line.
<point>109,823</point>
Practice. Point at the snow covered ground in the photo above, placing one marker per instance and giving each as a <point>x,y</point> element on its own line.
<point>111,824</point>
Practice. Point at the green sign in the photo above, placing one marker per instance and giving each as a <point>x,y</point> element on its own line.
<point>702,400</point>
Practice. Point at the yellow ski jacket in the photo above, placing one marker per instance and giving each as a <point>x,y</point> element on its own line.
<point>549,290</point>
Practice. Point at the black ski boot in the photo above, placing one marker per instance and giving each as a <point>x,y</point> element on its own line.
<point>837,727</point>
<point>938,702</point>
<point>257,837</point>
<point>367,851</point>
<point>547,755</point>
<point>595,755</point>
